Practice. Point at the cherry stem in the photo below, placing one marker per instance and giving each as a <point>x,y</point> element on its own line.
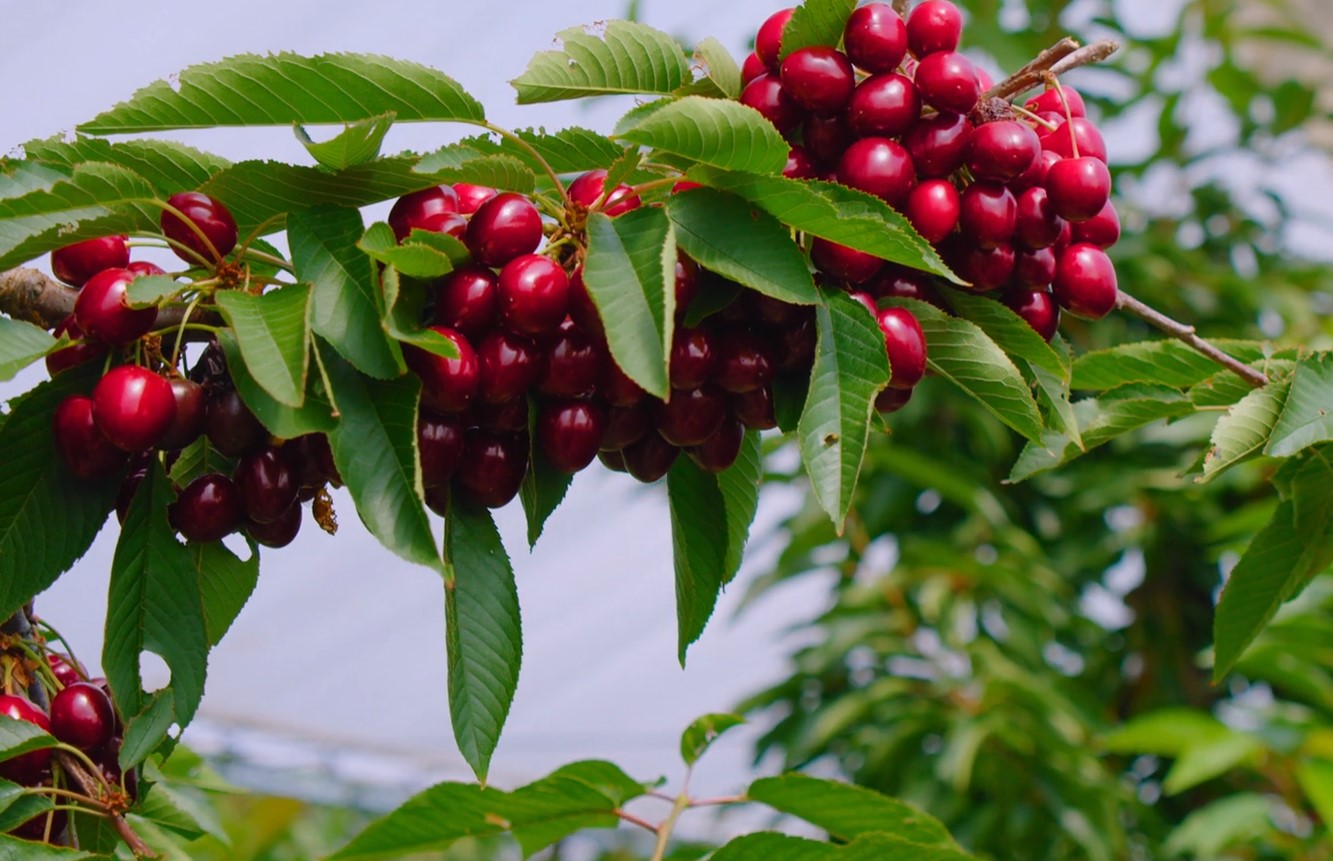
<point>87,781</point>
<point>195,229</point>
<point>901,6</point>
<point>1054,83</point>
<point>664,830</point>
<point>1186,333</point>
<point>634,820</point>
<point>1061,57</point>
<point>719,801</point>
<point>260,256</point>
<point>53,634</point>
<point>657,183</point>
<point>532,151</point>
<point>1030,116</point>
<point>180,332</point>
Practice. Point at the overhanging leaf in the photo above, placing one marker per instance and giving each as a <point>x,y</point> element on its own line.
<point>1167,363</point>
<point>273,334</point>
<point>1307,414</point>
<point>816,22</point>
<point>356,144</point>
<point>716,132</point>
<point>618,57</point>
<point>167,165</point>
<point>21,344</point>
<point>225,584</point>
<point>314,416</point>
<point>1245,428</point>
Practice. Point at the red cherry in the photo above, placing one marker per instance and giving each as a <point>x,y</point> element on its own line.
<point>800,165</point>
<point>719,451</point>
<point>935,25</point>
<point>75,264</point>
<point>1002,150</point>
<point>755,409</point>
<point>508,416</point>
<point>1078,188</point>
<point>143,267</point>
<point>509,365</point>
<point>1035,175</point>
<point>767,96</point>
<point>421,210</point>
<point>451,223</point>
<point>64,668</point>
<point>211,218</point>
<point>691,416</point>
<point>81,351</point>
<point>533,293</point>
<point>892,400</point>
<point>687,282</point>
<point>133,407</point>
<point>570,433</point>
<point>879,166</point>
<point>582,309</point>
<point>471,197</point>
<point>947,81</point>
<point>588,189</point>
<point>768,41</point>
<point>504,227</point>
<point>187,424</point>
<point>752,68</point>
<point>1061,139</point>
<point>467,300</point>
<point>1037,308</point>
<point>843,263</point>
<point>447,385</point>
<point>875,38</point>
<point>82,715</point>
<point>1034,268</point>
<point>267,484</point>
<point>103,313</point>
<point>905,344</point>
<point>796,345</point>
<point>614,459</point>
<point>744,362</point>
<point>231,427</point>
<point>885,105</point>
<point>493,466</point>
<point>617,388</point>
<point>933,207</point>
<point>27,769</point>
<point>818,78</point>
<point>208,509</point>
<point>1085,282</point>
<point>650,458</point>
<point>985,268</point>
<point>440,443</point>
<point>693,358</point>
<point>573,363</point>
<point>1037,225</point>
<point>626,426</point>
<point>278,532</point>
<point>1050,102</point>
<point>988,214</point>
<point>825,138</point>
<point>1102,230</point>
<point>899,281</point>
<point>937,143</point>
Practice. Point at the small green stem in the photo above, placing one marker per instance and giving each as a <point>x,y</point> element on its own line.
<point>53,634</point>
<point>664,830</point>
<point>657,183</point>
<point>532,151</point>
<point>195,229</point>
<point>180,331</point>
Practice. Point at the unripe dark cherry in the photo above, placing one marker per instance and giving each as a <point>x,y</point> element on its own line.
<point>1037,307</point>
<point>1085,282</point>
<point>573,363</point>
<point>231,427</point>
<point>509,364</point>
<point>82,715</point>
<point>875,38</point>
<point>886,105</point>
<point>933,207</point>
<point>504,227</point>
<point>818,78</point>
<point>879,166</point>
<point>211,218</point>
<point>1002,150</point>
<point>208,509</point>
<point>693,358</point>
<point>905,344</point>
<point>83,448</point>
<point>493,466</point>
<point>75,264</point>
<point>767,96</point>
<point>768,41</point>
<point>533,294</point>
<point>421,210</point>
<point>570,433</point>
<point>468,300</point>
<point>447,385</point>
<point>267,484</point>
<point>588,188</point>
<point>933,26</point>
<point>1078,188</point>
<point>947,81</point>
<point>692,415</point>
<point>938,143</point>
<point>133,407</point>
<point>103,312</point>
<point>988,214</point>
<point>29,768</point>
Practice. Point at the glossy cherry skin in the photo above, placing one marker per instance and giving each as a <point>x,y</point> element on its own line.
<point>278,532</point>
<point>570,433</point>
<point>471,197</point>
<point>1002,150</point>
<point>82,715</point>
<point>504,227</point>
<point>875,38</point>
<point>102,312</point>
<point>905,344</point>
<point>208,509</point>
<point>1090,142</point>
<point>509,364</point>
<point>231,427</point>
<point>947,81</point>
<point>468,300</point>
<point>879,166</point>
<point>447,385</point>
<point>767,96</point>
<point>825,138</point>
<point>692,415</point>
<point>755,409</point>
<point>885,105</point>
<point>1102,230</point>
<point>892,400</point>
<point>1037,225</point>
<point>768,41</point>
<point>508,416</point>
<point>818,78</point>
<point>1037,308</point>
<point>1049,101</point>
<point>421,209</point>
<point>752,68</point>
<point>616,388</point>
<point>1036,175</point>
<point>64,668</point>
<point>935,25</point>
<point>83,448</point>
<point>1034,268</point>
<point>582,309</point>
<point>573,364</point>
<point>693,357</point>
<point>27,769</point>
<point>1078,188</point>
<point>843,263</point>
<point>143,267</point>
<point>650,458</point>
<point>985,268</point>
<point>719,451</point>
<point>75,264</point>
<point>533,293</point>
<point>493,466</point>
<point>267,484</point>
<point>744,362</point>
<point>933,207</point>
<point>1085,282</point>
<point>133,407</point>
<point>938,143</point>
<point>626,426</point>
<point>687,282</point>
<point>83,350</point>
<point>187,424</point>
<point>588,188</point>
<point>988,214</point>
<point>440,443</point>
<point>901,282</point>
<point>210,216</point>
<point>800,164</point>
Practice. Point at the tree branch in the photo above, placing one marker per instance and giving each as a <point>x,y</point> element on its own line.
<point>30,295</point>
<point>1185,333</point>
<point>1061,57</point>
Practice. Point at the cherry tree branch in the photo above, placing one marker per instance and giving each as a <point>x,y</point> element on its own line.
<point>1058,59</point>
<point>1186,333</point>
<point>33,296</point>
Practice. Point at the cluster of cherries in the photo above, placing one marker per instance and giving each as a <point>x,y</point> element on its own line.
<point>1015,199</point>
<point>81,716</point>
<point>134,411</point>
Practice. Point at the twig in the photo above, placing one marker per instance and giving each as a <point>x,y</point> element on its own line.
<point>33,296</point>
<point>900,6</point>
<point>1185,333</point>
<point>718,802</point>
<point>664,830</point>
<point>1061,57</point>
<point>87,784</point>
<point>634,820</point>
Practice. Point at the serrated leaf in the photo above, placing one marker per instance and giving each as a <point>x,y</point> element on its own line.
<point>18,737</point>
<point>18,805</point>
<point>407,301</point>
<point>1009,331</point>
<point>816,23</point>
<point>196,459</point>
<point>48,518</point>
<point>1307,415</point>
<point>153,604</point>
<point>14,849</point>
<point>315,415</point>
<point>630,275</point>
<point>183,810</point>
<point>543,489</point>
<point>285,88</point>
<point>1225,388</point>
<point>21,344</point>
<point>569,150</point>
<point>727,235</point>
<point>357,143</point>
<point>721,76</point>
<point>847,811</point>
<point>346,300</point>
<point>716,132</point>
<point>272,331</point>
<point>1245,428</point>
<point>1167,363</point>
<point>225,584</point>
<point>150,289</point>
<point>146,730</point>
<point>19,178</point>
<point>619,57</point>
<point>1053,393</point>
<point>467,162</point>
<point>700,735</point>
<point>167,165</point>
<point>419,256</point>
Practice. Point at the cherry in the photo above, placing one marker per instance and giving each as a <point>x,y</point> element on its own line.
<point>104,314</point>
<point>898,281</point>
<point>83,448</point>
<point>796,344</point>
<point>314,460</point>
<point>650,458</point>
<point>80,351</point>
<point>570,433</point>
<point>875,38</point>
<point>988,214</point>
<point>1049,101</point>
<point>744,362</point>
<point>507,416</point>
<point>75,264</point>
<point>1078,187</point>
<point>231,427</point>
<point>752,68</point>
<point>1085,282</point>
<point>626,426</point>
<point>588,189</point>
<point>1002,150</point>
<point>143,267</point>
<point>818,78</point>
<point>187,424</point>
<point>493,466</point>
<point>267,484</point>
<point>471,197</point>
<point>50,823</point>
<point>867,301</point>
<point>64,668</point>
<point>885,105</point>
<point>1037,308</point>
<point>1090,142</point>
<point>843,263</point>
<point>687,282</point>
<point>582,309</point>
<point>280,531</point>
<point>825,138</point>
<point>947,81</point>
<point>509,364</point>
<point>755,409</point>
<point>467,300</point>
<point>1035,175</point>
<point>1037,225</point>
<point>985,268</point>
<point>421,210</point>
<point>616,388</point>
<point>573,363</point>
<point>451,223</point>
<point>892,400</point>
<point>533,293</point>
<point>768,41</point>
<point>719,451</point>
<point>1034,268</point>
<point>440,443</point>
<point>447,385</point>
<point>27,769</point>
<point>933,207</point>
<point>208,509</point>
<point>767,96</point>
<point>933,26</point>
<point>693,358</point>
<point>133,407</point>
<point>879,166</point>
<point>614,459</point>
<point>938,143</point>
<point>82,715</point>
<point>503,228</point>
<point>1102,230</point>
<point>211,218</point>
<point>905,345</point>
<point>800,165</point>
<point>691,416</point>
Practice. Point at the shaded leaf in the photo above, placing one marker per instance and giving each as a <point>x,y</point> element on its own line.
<point>21,344</point>
<point>1167,363</point>
<point>1307,415</point>
<point>315,415</point>
<point>717,132</point>
<point>356,144</point>
<point>701,734</point>
<point>272,332</point>
<point>1244,430</point>
<point>167,165</point>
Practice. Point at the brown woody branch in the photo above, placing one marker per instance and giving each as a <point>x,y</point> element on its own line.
<point>1058,59</point>
<point>1186,333</point>
<point>33,296</point>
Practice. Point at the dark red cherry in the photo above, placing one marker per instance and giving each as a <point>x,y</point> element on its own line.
<point>75,264</point>
<point>988,214</point>
<point>693,358</point>
<point>533,294</point>
<point>83,448</point>
<point>937,143</point>
<point>1037,225</point>
<point>650,458</point>
<point>267,484</point>
<point>64,668</point>
<point>744,362</point>
<point>451,223</point>
<point>81,715</point>
<point>582,309</point>
<point>883,105</point>
<point>935,25</point>
<point>588,189</point>
<point>614,459</point>
<point>687,282</point>
<point>1102,230</point>
<point>616,388</point>
<point>231,427</point>
<point>796,345</point>
<point>27,769</point>
<point>493,466</point>
<point>984,268</point>
<point>504,227</point>
<point>875,38</point>
<point>1037,308</point>
<point>1050,102</point>
<point>278,532</point>
<point>509,365</point>
<point>626,425</point>
<point>933,207</point>
<point>1090,142</point>
<point>755,409</point>
<point>187,424</point>
<point>573,364</point>
<point>133,407</point>
<point>421,210</point>
<point>818,78</point>
<point>752,68</point>
<point>1002,150</point>
<point>719,451</point>
<point>1085,282</point>
<point>468,301</point>
<point>447,385</point>
<point>1035,175</point>
<point>825,138</point>
<point>508,416</point>
<point>692,415</point>
<point>1034,268</point>
<point>209,216</point>
<point>440,443</point>
<point>901,282</point>
<point>867,301</point>
<point>892,400</point>
<point>800,165</point>
<point>570,433</point>
<point>879,166</point>
<point>767,96</point>
<point>947,81</point>
<point>768,41</point>
<point>128,488</point>
<point>208,509</point>
<point>905,344</point>
<point>103,313</point>
<point>843,263</point>
<point>83,350</point>
<point>1078,188</point>
<point>471,197</point>
<point>143,267</point>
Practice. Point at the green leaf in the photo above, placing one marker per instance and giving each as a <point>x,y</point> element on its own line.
<point>284,422</point>
<point>868,847</point>
<point>154,604</point>
<point>569,150</point>
<point>357,143</point>
<point>375,449</point>
<point>834,212</point>
<point>1167,363</point>
<point>1243,431</point>
<point>196,459</point>
<point>468,162</point>
<point>717,132</point>
<point>1053,393</point>
<point>725,234</point>
<point>847,811</point>
<point>285,88</point>
<point>721,78</point>
<point>48,518</point>
<point>816,22</point>
<point>346,300</point>
<point>21,344</point>
<point>407,301</point>
<point>273,333</point>
<point>17,806</point>
<point>18,737</point>
<point>421,255</point>
<point>700,735</point>
<point>183,810</point>
<point>1203,761</point>
<point>1233,819</point>
<point>147,729</point>
<point>630,273</point>
<point>1009,331</point>
<point>14,849</point>
<point>1165,732</point>
<point>618,57</point>
<point>1306,418</point>
<point>150,289</point>
<point>484,632</point>
<point>543,489</point>
<point>850,369</point>
<point>225,584</point>
<point>1316,779</point>
<point>167,165</point>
